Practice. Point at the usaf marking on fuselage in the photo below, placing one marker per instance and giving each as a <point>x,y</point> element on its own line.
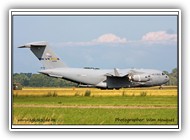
<point>94,77</point>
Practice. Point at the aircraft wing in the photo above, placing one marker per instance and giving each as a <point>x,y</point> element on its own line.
<point>116,73</point>
<point>135,72</point>
<point>116,79</point>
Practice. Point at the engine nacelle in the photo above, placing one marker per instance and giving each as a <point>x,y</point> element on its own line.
<point>139,77</point>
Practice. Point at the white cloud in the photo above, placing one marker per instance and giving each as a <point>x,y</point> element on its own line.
<point>103,39</point>
<point>110,38</point>
<point>159,36</point>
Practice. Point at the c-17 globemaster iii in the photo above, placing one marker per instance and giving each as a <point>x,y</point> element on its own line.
<point>94,77</point>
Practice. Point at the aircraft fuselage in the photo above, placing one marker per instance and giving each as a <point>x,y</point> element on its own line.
<point>108,79</point>
<point>94,77</point>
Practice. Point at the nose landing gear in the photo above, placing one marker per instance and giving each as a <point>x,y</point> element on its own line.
<point>161,87</point>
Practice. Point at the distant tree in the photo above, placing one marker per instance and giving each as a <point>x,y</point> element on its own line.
<point>21,78</point>
<point>28,74</point>
<point>40,80</point>
<point>173,77</point>
<point>37,80</point>
<point>174,73</point>
<point>166,72</point>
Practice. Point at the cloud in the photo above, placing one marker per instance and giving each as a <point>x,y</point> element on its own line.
<point>159,36</point>
<point>110,38</point>
<point>103,39</point>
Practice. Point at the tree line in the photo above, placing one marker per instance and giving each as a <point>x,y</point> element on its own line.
<point>173,77</point>
<point>40,80</point>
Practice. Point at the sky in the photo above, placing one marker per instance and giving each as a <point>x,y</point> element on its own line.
<point>105,42</point>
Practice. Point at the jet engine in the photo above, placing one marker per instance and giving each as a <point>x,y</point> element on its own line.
<point>139,77</point>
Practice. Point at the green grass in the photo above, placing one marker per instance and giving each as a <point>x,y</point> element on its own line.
<point>116,101</point>
<point>93,116</point>
<point>53,115</point>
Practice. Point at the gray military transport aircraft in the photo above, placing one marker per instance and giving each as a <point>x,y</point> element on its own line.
<point>94,77</point>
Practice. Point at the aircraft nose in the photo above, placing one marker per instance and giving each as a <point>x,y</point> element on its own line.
<point>167,78</point>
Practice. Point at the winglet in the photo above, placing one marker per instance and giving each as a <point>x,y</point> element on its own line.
<point>116,73</point>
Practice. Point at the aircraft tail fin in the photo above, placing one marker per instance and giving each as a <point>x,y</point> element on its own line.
<point>44,54</point>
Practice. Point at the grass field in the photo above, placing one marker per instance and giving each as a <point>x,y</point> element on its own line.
<point>93,116</point>
<point>153,91</point>
<point>71,106</point>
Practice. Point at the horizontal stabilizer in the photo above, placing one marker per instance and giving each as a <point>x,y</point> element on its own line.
<point>34,44</point>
